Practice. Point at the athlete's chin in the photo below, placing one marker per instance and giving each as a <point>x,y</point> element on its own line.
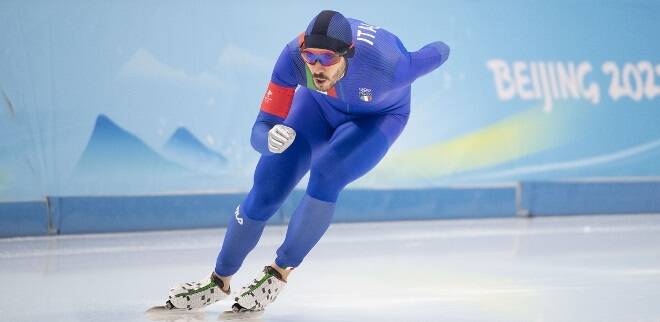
<point>322,85</point>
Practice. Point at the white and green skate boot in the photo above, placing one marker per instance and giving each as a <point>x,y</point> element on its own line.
<point>261,292</point>
<point>196,295</point>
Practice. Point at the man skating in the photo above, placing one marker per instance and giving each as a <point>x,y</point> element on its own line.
<point>352,104</point>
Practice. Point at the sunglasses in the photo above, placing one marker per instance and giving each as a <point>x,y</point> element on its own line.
<point>323,56</point>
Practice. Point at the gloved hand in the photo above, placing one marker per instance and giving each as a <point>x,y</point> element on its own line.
<point>280,137</point>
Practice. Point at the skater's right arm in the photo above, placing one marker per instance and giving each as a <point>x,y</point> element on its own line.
<point>276,103</point>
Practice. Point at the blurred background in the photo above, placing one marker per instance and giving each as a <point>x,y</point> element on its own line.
<point>136,115</point>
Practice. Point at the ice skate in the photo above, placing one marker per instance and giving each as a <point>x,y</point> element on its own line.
<point>196,295</point>
<point>261,292</point>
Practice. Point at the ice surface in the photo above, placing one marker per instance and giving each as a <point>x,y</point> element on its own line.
<point>598,268</point>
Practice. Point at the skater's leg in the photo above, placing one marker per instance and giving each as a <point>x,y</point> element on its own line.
<point>354,149</point>
<point>275,177</point>
<point>308,223</point>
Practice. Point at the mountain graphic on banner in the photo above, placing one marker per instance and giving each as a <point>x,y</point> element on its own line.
<point>185,149</point>
<point>113,151</point>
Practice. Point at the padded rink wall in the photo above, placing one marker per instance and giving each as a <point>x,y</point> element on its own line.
<point>72,215</point>
<point>132,116</point>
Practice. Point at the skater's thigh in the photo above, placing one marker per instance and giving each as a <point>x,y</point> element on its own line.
<point>357,146</point>
<point>308,121</point>
<point>277,174</point>
<point>353,150</point>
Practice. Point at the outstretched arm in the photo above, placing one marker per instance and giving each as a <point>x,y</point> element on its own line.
<point>421,62</point>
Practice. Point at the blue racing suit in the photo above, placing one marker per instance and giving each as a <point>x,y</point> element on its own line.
<point>341,134</point>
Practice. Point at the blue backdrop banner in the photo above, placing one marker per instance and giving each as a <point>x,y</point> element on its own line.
<point>103,98</point>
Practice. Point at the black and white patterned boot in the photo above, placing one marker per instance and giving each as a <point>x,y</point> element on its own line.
<point>195,295</point>
<point>260,293</point>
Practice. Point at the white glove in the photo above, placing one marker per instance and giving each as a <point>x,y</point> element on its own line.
<point>280,138</point>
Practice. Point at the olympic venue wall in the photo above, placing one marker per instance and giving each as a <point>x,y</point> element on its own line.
<point>74,215</point>
<point>136,115</point>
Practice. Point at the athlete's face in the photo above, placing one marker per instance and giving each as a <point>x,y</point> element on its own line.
<point>325,77</point>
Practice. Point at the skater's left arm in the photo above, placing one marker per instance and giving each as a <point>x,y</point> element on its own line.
<point>418,63</point>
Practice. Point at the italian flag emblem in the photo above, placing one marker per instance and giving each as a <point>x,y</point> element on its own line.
<point>365,94</point>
